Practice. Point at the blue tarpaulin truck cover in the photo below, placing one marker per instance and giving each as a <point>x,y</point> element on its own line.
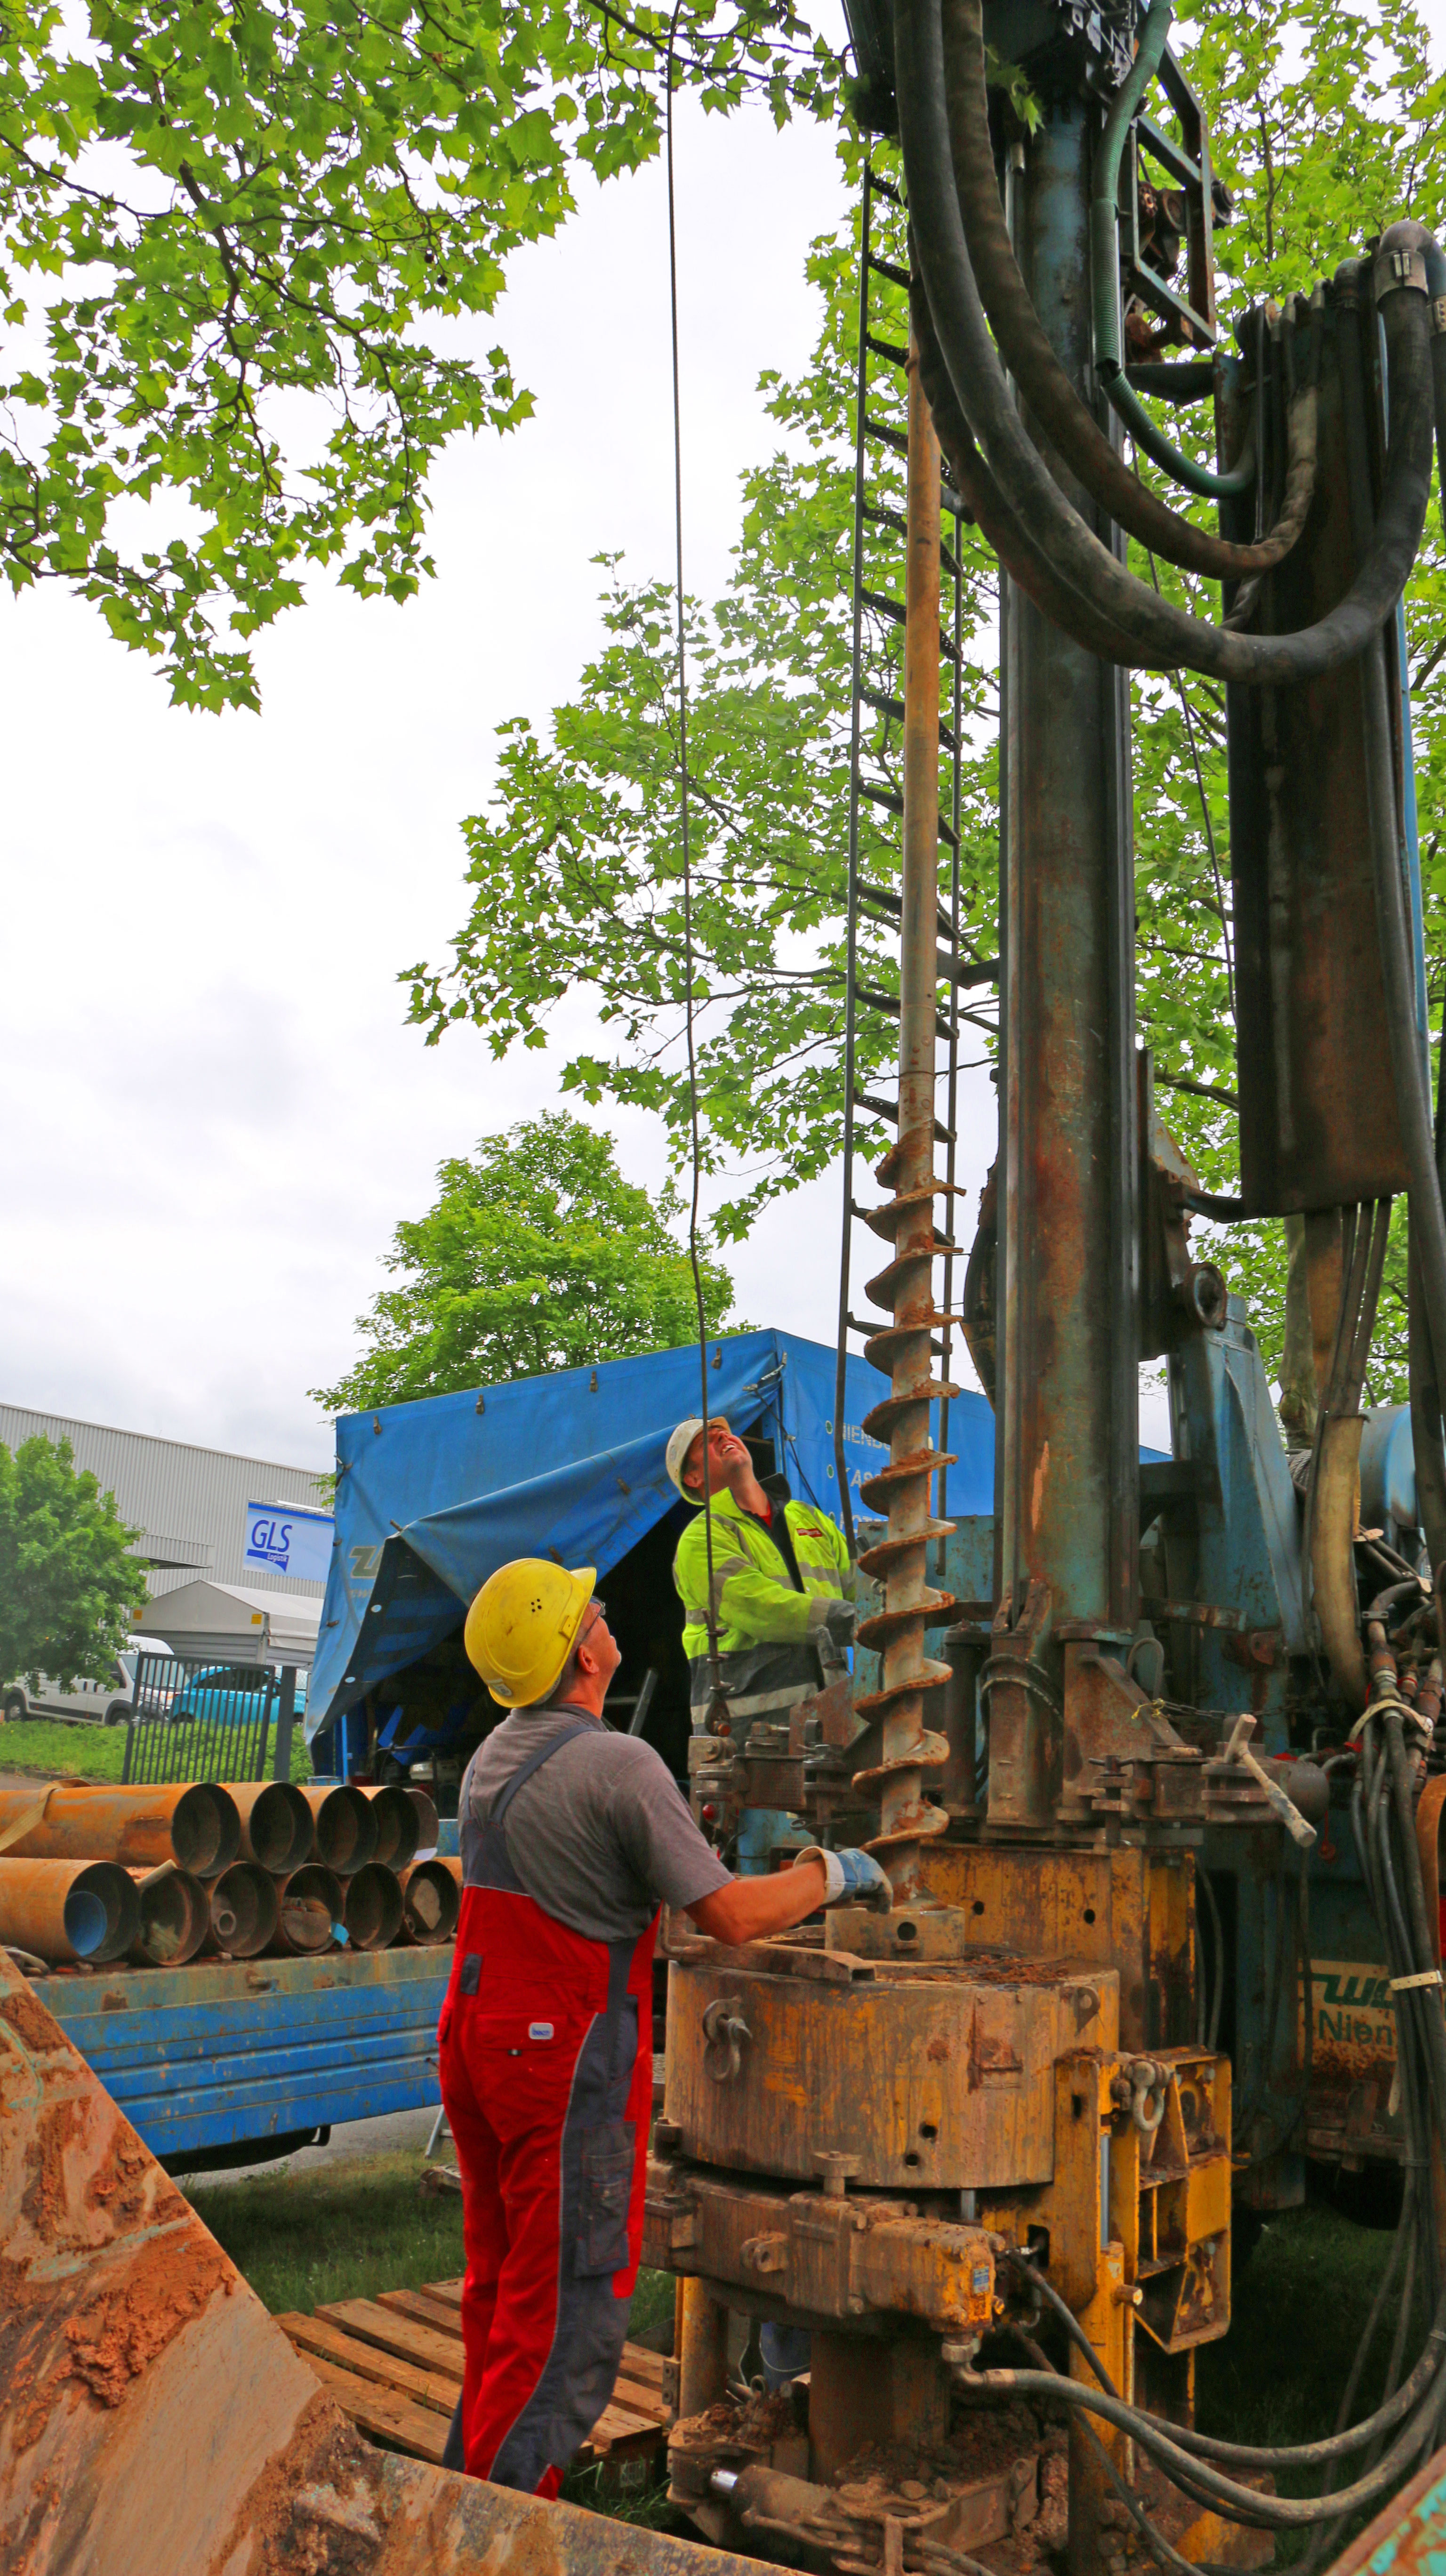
<point>432,1497</point>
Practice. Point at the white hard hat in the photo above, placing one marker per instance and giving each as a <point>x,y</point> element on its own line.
<point>678,1448</point>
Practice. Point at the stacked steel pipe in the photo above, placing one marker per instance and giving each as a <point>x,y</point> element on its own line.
<point>909,1750</point>
<point>90,1876</point>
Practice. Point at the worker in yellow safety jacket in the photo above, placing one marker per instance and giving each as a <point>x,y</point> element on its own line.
<point>782,1582</point>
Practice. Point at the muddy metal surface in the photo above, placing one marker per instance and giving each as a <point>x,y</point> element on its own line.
<point>152,2418</point>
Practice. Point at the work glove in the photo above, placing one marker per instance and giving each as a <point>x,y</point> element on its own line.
<point>851,1877</point>
<point>838,1619</point>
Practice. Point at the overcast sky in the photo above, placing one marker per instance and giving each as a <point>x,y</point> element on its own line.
<point>216,1111</point>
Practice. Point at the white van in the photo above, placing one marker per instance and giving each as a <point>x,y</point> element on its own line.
<point>106,1703</point>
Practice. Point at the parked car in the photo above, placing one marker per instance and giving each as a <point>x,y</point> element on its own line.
<point>105,1703</point>
<point>231,1693</point>
<point>158,1687</point>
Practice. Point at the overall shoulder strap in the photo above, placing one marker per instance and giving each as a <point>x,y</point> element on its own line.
<point>534,1762</point>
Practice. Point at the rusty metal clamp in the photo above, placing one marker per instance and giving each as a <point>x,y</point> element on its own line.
<point>725,2031</point>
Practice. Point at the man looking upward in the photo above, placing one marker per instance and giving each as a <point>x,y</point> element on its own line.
<point>572,1837</point>
<point>782,1581</point>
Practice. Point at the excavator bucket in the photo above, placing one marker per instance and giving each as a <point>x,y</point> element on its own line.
<point>154,2421</point>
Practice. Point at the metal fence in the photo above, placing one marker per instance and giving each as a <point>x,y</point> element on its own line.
<point>193,1720</point>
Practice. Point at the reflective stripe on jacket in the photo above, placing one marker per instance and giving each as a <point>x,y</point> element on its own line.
<point>767,1630</point>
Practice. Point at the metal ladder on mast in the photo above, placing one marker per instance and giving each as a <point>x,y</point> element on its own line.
<point>878,621</point>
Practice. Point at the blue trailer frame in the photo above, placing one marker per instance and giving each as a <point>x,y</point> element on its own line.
<point>233,2051</point>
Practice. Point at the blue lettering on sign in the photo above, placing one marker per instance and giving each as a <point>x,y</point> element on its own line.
<point>294,1543</point>
<point>270,1542</point>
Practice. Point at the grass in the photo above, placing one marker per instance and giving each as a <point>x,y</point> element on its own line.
<point>347,2230</point>
<point>37,1744</point>
<point>50,1751</point>
<point>341,2231</point>
<point>1300,2309</point>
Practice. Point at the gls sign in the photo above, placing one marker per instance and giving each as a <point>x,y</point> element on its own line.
<point>282,1540</point>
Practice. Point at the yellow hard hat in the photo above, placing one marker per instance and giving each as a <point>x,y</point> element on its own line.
<point>521,1627</point>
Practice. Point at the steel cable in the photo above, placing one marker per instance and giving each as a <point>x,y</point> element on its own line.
<point>715,1684</point>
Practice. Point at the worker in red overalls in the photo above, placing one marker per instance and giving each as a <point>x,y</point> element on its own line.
<point>572,1837</point>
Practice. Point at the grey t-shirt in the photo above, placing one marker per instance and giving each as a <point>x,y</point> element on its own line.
<point>601,1835</point>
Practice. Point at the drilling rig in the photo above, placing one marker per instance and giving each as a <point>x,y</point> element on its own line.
<point>1134,1780</point>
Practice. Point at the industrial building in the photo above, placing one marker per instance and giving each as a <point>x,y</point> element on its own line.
<point>188,1503</point>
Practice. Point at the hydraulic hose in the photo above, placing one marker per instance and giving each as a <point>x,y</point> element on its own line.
<point>1042,381</point>
<point>1105,279</point>
<point>1335,1474</point>
<point>1023,559</point>
<point>1436,289</point>
<point>1332,1566</point>
<point>1246,2455</point>
<point>1241,2503</point>
<point>1028,489</point>
<point>1426,1426</point>
<point>1427,1218</point>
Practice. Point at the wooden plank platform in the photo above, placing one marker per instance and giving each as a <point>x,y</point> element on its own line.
<point>394,2365</point>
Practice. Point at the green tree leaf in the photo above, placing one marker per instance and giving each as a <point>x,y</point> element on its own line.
<point>234,228</point>
<point>68,1583</point>
<point>536,1255</point>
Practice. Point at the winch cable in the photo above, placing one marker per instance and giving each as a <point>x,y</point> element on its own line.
<point>717,1703</point>
<point>1027,488</point>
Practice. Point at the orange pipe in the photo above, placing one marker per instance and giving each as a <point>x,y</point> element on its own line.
<point>278,1829</point>
<point>399,1827</point>
<point>373,1907</point>
<point>346,1828</point>
<point>430,1904</point>
<point>310,1901</point>
<point>68,1910</point>
<point>194,1824</point>
<point>175,1917</point>
<point>244,1911</point>
<point>426,1807</point>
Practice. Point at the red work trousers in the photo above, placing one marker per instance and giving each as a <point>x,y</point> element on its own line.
<point>546,2069</point>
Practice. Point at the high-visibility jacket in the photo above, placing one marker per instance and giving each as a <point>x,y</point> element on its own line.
<point>768,1630</point>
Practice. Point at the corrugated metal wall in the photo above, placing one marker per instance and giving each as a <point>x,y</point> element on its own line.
<point>189,1503</point>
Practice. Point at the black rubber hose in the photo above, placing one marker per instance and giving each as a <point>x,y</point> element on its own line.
<point>1154,2539</point>
<point>1033,497</point>
<point>1023,559</point>
<point>1424,1385</point>
<point>1245,2455</point>
<point>1427,1218</point>
<point>1423,1944</point>
<point>1436,289</point>
<point>1042,381</point>
<point>1242,2504</point>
